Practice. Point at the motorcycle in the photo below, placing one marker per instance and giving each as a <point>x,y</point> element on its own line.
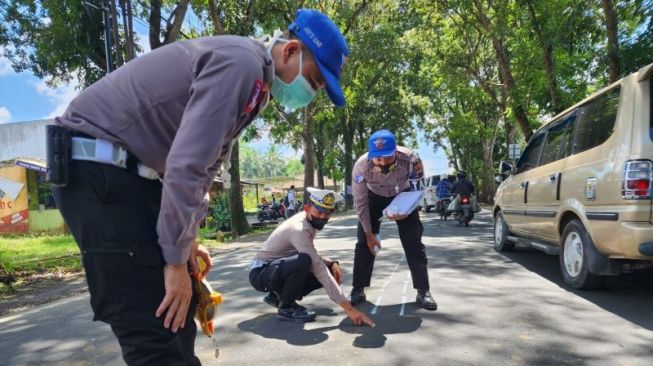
<point>465,212</point>
<point>278,210</point>
<point>442,210</point>
<point>264,213</point>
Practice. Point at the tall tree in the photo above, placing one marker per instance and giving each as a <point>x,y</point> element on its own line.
<point>611,28</point>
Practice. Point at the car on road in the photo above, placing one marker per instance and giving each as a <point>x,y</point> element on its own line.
<point>582,188</point>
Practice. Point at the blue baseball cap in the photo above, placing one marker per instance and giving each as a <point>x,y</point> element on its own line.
<point>328,46</point>
<point>381,144</point>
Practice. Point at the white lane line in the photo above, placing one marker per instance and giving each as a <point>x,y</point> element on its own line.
<point>403,306</point>
<point>376,306</point>
<point>405,287</point>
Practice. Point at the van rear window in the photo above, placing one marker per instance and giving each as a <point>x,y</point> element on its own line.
<point>596,121</point>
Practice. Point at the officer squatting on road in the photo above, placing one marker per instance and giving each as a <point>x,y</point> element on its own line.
<point>379,175</point>
<point>288,266</point>
<point>146,142</point>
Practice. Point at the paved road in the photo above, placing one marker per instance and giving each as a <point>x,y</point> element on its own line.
<point>495,309</point>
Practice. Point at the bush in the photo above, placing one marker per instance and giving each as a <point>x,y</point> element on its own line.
<point>221,219</point>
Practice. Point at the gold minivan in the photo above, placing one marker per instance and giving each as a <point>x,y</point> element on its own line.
<point>582,187</point>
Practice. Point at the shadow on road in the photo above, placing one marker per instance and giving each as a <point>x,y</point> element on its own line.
<point>385,324</point>
<point>300,334</point>
<point>268,326</point>
<point>629,296</point>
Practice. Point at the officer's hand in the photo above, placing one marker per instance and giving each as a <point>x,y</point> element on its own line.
<point>178,293</point>
<point>198,250</point>
<point>336,272</point>
<point>372,242</point>
<point>360,318</point>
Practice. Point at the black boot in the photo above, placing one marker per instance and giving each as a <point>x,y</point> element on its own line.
<point>425,300</point>
<point>295,312</point>
<point>272,299</point>
<point>357,296</point>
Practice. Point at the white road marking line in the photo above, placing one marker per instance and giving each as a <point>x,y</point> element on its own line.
<point>405,287</point>
<point>376,306</point>
<point>403,306</point>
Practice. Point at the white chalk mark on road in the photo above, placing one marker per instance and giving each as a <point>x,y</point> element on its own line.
<point>403,306</point>
<point>376,306</point>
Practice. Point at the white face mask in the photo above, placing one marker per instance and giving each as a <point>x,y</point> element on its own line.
<point>296,94</point>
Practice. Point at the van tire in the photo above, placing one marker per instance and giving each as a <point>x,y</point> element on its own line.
<point>501,242</point>
<point>574,259</point>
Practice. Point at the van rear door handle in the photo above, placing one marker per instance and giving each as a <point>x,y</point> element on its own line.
<point>522,185</point>
<point>553,177</point>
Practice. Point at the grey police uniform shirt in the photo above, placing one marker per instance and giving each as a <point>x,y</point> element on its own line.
<point>368,177</point>
<point>295,236</point>
<point>177,110</point>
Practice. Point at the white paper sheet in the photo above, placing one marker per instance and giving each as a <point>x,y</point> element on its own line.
<point>404,203</point>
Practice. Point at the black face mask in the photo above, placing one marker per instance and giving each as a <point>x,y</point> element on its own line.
<point>318,223</point>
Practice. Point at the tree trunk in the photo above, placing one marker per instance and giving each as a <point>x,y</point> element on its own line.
<point>506,73</point>
<point>239,225</point>
<point>173,29</point>
<point>155,24</point>
<point>319,153</point>
<point>309,152</point>
<point>348,138</point>
<point>116,34</point>
<point>547,49</point>
<point>614,69</point>
<point>218,28</point>
<point>127,20</point>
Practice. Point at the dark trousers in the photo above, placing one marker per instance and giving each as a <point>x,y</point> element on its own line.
<point>112,214</point>
<point>410,234</point>
<point>290,277</point>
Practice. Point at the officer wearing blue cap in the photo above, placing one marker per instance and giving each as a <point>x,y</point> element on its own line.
<point>379,175</point>
<point>147,141</point>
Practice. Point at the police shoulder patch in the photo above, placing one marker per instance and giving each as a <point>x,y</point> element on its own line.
<point>359,179</point>
<point>255,97</point>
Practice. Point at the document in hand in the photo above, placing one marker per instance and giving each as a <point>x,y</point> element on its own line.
<point>403,204</point>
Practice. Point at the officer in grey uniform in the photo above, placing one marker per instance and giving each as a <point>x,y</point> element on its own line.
<point>146,142</point>
<point>379,175</point>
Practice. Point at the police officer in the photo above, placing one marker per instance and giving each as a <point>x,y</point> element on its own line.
<point>147,141</point>
<point>379,175</point>
<point>289,267</point>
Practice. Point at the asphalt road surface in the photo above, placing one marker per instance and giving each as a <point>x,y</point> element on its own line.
<point>494,309</point>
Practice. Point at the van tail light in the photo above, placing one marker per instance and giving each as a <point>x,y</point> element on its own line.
<point>638,179</point>
<point>465,200</point>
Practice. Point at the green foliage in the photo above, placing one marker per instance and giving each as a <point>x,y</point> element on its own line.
<point>220,213</point>
<point>53,39</point>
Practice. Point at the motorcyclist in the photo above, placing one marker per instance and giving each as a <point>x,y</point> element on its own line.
<point>462,186</point>
<point>442,190</point>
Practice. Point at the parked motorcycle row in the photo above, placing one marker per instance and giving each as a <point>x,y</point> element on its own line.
<point>276,211</point>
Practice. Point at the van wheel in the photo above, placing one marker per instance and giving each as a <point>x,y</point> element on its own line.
<point>573,258</point>
<point>428,208</point>
<point>501,242</point>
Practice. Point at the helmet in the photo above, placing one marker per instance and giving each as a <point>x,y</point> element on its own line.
<point>462,174</point>
<point>382,143</point>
